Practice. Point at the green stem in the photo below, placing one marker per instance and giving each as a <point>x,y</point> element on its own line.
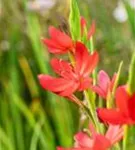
<point>82,106</point>
<point>117,146</point>
<point>109,100</point>
<point>111,95</point>
<point>92,110</point>
<point>94,74</point>
<point>91,45</point>
<point>125,140</point>
<point>117,79</point>
<point>4,139</point>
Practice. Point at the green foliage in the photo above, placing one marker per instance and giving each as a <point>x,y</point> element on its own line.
<point>131,79</point>
<point>116,83</point>
<point>33,119</point>
<point>30,118</point>
<point>131,16</point>
<point>74,20</point>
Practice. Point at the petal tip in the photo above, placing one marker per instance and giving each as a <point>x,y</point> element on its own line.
<point>40,76</point>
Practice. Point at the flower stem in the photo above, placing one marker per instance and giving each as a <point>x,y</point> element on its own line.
<point>125,140</point>
<point>82,106</point>
<point>109,100</point>
<point>91,45</point>
<point>92,110</point>
<point>94,74</point>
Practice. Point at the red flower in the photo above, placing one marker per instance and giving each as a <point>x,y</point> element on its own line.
<point>97,141</point>
<point>125,111</point>
<point>72,78</point>
<point>91,30</point>
<point>83,24</point>
<point>59,42</point>
<point>105,84</point>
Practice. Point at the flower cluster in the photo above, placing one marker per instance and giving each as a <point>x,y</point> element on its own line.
<point>77,75</point>
<point>73,77</point>
<point>97,141</point>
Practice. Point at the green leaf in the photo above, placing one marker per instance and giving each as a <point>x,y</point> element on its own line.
<point>131,16</point>
<point>131,79</point>
<point>33,23</point>
<point>4,138</point>
<point>111,96</point>
<point>117,78</point>
<point>35,137</point>
<point>74,20</point>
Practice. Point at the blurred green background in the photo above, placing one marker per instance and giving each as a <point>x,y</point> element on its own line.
<point>31,118</point>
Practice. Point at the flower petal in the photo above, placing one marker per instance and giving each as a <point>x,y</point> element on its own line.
<point>99,91</point>
<point>61,67</point>
<point>60,37</point>
<point>103,80</point>
<point>81,56</point>
<point>110,116</point>
<point>91,63</point>
<point>85,84</point>
<point>85,63</point>
<point>60,148</point>
<point>91,31</point>
<point>56,50</point>
<point>56,85</point>
<point>83,24</point>
<point>54,47</point>
<point>131,107</point>
<point>70,90</point>
<point>52,44</point>
<point>122,98</point>
<point>83,140</point>
<point>114,133</point>
<point>101,143</point>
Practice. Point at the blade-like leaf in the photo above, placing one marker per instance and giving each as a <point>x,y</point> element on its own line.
<point>131,16</point>
<point>74,20</point>
<point>131,79</point>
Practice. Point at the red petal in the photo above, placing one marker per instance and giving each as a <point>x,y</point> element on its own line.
<point>99,91</point>
<point>52,44</point>
<point>83,140</point>
<point>83,24</point>
<point>85,84</point>
<point>91,63</point>
<point>56,51</point>
<point>101,143</point>
<point>60,37</point>
<point>54,47</point>
<point>114,133</point>
<point>85,63</point>
<point>59,148</point>
<point>91,30</point>
<point>111,116</point>
<point>56,85</point>
<point>131,107</point>
<point>103,80</point>
<point>62,68</point>
<point>122,98</point>
<point>81,56</point>
<point>70,90</point>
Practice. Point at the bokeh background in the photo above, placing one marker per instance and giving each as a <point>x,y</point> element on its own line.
<point>31,118</point>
